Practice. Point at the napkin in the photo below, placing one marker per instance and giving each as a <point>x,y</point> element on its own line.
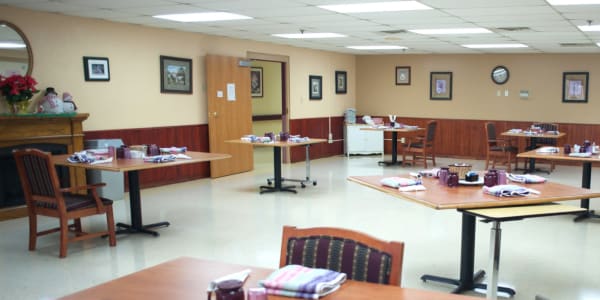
<point>241,276</point>
<point>396,182</point>
<point>83,157</point>
<point>160,158</point>
<point>578,154</point>
<point>412,188</point>
<point>526,178</point>
<point>430,173</point>
<point>303,282</point>
<point>547,150</point>
<point>508,190</point>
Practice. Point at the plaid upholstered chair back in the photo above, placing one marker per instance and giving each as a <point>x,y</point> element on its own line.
<point>361,257</point>
<point>38,177</point>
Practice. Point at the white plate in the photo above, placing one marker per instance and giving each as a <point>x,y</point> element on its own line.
<point>478,182</point>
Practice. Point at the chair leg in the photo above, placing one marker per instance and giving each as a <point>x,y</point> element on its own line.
<point>32,231</point>
<point>110,222</point>
<point>64,237</point>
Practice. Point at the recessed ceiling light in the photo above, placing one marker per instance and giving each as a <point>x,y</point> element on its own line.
<point>377,47</point>
<point>573,2</point>
<point>11,45</point>
<point>376,7</point>
<point>589,27</point>
<point>492,46</point>
<point>203,17</point>
<point>310,35</point>
<point>451,31</point>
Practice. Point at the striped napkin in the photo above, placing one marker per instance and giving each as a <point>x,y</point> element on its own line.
<point>526,178</point>
<point>508,190</point>
<point>302,282</point>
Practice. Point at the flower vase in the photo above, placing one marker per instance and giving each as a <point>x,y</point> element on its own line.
<point>20,107</point>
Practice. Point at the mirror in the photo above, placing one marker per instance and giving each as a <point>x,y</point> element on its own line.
<point>15,51</point>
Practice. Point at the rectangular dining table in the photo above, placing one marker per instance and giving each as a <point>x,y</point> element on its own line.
<point>408,131</point>
<point>277,145</point>
<point>586,173</point>
<point>188,278</point>
<point>132,167</point>
<point>522,143</point>
<point>464,197</point>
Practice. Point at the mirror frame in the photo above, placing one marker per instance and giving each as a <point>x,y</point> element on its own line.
<point>26,41</point>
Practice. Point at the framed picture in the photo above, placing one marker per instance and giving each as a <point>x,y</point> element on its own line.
<point>256,82</point>
<point>96,68</point>
<point>315,87</point>
<point>175,75</point>
<point>402,75</point>
<point>575,87</point>
<point>340,82</point>
<point>440,86</point>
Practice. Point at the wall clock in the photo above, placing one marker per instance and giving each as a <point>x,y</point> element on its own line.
<point>500,75</point>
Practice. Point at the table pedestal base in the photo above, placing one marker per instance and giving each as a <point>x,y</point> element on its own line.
<point>389,163</point>
<point>272,189</point>
<point>589,214</point>
<point>463,287</point>
<point>126,228</point>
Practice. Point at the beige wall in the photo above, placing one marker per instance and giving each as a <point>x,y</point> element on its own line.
<point>270,102</point>
<point>474,94</point>
<point>132,97</point>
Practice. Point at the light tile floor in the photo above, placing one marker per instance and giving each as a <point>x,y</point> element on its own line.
<point>226,219</point>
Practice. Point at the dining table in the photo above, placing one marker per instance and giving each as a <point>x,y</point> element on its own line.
<point>463,198</point>
<point>586,161</point>
<point>188,278</point>
<point>132,166</point>
<point>407,131</point>
<point>524,142</point>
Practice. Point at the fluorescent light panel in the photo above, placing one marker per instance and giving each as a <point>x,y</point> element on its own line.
<point>203,17</point>
<point>377,47</point>
<point>494,46</point>
<point>573,2</point>
<point>589,27</point>
<point>451,31</point>
<point>376,7</point>
<point>311,35</point>
<point>11,45</point>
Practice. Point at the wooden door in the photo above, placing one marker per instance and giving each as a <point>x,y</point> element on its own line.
<point>229,116</point>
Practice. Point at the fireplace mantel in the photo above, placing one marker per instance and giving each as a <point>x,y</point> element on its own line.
<point>38,129</point>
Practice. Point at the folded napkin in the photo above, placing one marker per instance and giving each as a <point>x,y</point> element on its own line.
<point>508,190</point>
<point>160,158</point>
<point>302,282</point>
<point>430,173</point>
<point>173,150</point>
<point>396,182</point>
<point>241,276</point>
<point>526,178</point>
<point>547,150</point>
<point>412,188</point>
<point>579,154</point>
<point>83,157</point>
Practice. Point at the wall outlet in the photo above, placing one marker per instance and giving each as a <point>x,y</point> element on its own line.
<point>498,93</point>
<point>506,93</point>
<point>402,140</point>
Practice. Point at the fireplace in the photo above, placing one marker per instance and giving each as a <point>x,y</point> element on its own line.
<point>58,134</point>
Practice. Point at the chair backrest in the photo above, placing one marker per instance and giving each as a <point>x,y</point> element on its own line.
<point>39,179</point>
<point>431,127</point>
<point>490,133</point>
<point>545,141</point>
<point>361,256</point>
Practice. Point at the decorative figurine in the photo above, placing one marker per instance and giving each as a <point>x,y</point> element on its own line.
<point>51,103</point>
<point>68,104</point>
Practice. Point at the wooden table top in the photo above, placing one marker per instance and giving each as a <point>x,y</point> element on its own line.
<point>439,196</point>
<point>188,278</point>
<point>278,143</point>
<point>131,164</point>
<point>534,135</point>
<point>558,156</point>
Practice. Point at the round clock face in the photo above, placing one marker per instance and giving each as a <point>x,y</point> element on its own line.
<point>500,75</point>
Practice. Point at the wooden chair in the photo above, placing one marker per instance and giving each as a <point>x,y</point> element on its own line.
<point>536,142</point>
<point>45,197</point>
<point>422,147</point>
<point>360,256</point>
<point>498,150</point>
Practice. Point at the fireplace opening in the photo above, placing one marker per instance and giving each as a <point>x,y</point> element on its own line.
<point>11,193</point>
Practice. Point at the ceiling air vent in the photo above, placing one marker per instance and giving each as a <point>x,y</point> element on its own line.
<point>397,31</point>
<point>577,45</point>
<point>516,28</point>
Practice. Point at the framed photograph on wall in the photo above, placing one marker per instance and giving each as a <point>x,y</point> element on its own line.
<point>175,75</point>
<point>575,87</point>
<point>315,87</point>
<point>440,86</point>
<point>341,82</point>
<point>96,68</point>
<point>403,75</point>
<point>256,82</point>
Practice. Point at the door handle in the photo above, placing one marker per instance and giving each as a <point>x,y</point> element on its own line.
<point>214,114</point>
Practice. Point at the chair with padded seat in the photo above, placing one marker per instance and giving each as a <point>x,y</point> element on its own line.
<point>361,256</point>
<point>421,147</point>
<point>45,197</point>
<point>498,150</point>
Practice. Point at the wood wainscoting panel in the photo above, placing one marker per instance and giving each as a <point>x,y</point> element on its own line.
<point>318,128</point>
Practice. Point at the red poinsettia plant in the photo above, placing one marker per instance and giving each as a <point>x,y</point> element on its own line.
<point>16,88</point>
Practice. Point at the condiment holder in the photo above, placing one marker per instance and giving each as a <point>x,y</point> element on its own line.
<point>460,168</point>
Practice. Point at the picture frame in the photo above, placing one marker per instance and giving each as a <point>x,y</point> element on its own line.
<point>175,75</point>
<point>96,68</point>
<point>256,82</point>
<point>403,75</point>
<point>575,87</point>
<point>341,82</point>
<point>315,87</point>
<point>440,86</point>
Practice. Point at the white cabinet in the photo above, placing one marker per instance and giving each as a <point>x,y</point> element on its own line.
<point>358,141</point>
